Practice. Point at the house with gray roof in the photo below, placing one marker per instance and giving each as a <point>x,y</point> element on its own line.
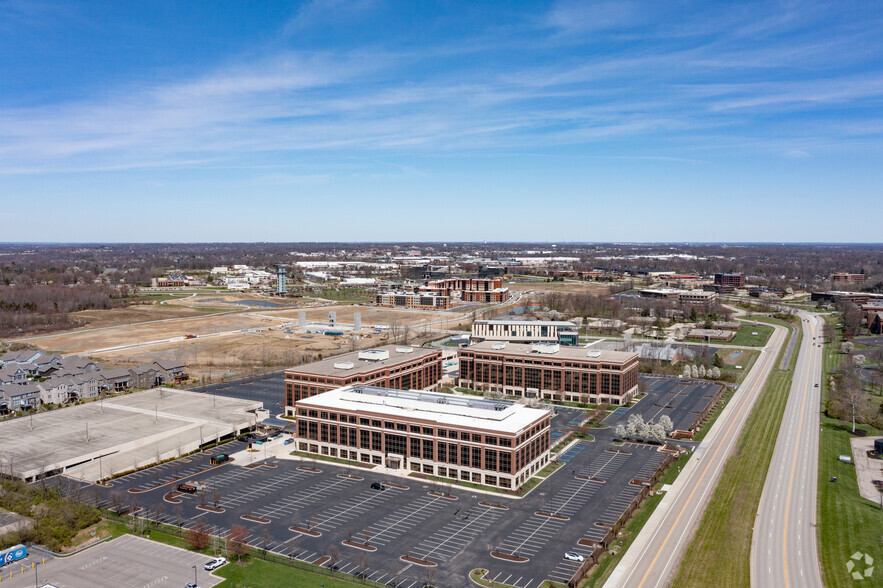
<point>17,397</point>
<point>118,380</point>
<point>170,371</point>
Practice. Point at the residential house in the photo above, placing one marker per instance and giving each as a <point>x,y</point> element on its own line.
<point>18,397</point>
<point>118,380</point>
<point>13,374</point>
<point>145,375</point>
<point>170,371</point>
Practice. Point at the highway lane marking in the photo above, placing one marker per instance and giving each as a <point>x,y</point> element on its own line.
<point>800,416</point>
<point>709,462</point>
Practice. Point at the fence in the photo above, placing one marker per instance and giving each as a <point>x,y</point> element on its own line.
<point>604,544</point>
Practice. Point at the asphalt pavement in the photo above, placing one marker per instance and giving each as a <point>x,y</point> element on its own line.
<point>653,558</point>
<point>783,550</point>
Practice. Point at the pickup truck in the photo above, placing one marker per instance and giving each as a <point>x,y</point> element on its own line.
<point>192,487</point>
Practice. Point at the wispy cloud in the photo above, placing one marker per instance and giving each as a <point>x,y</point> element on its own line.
<point>468,94</point>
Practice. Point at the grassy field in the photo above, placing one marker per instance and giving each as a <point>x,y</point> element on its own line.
<point>258,573</point>
<point>341,294</point>
<point>847,523</point>
<point>721,554</point>
<point>745,336</point>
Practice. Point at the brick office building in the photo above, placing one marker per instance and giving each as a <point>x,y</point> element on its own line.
<point>550,371</point>
<point>389,366</point>
<point>734,280</point>
<point>458,437</point>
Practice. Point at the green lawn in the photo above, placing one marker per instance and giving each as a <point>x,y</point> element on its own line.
<point>721,554</point>
<point>847,523</point>
<point>258,573</point>
<point>745,336</point>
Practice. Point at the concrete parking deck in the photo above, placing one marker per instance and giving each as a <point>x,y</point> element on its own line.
<point>125,561</point>
<point>95,440</point>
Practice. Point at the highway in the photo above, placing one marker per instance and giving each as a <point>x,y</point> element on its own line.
<point>654,556</point>
<point>783,549</point>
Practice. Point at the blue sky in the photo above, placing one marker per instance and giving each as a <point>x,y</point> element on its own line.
<point>370,120</point>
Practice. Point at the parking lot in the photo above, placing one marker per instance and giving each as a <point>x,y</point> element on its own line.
<point>416,534</point>
<point>268,388</point>
<point>457,532</point>
<point>683,401</point>
<point>124,561</point>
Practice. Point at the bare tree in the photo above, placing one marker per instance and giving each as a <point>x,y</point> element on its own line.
<point>237,541</point>
<point>265,541</point>
<point>333,558</point>
<point>216,498</point>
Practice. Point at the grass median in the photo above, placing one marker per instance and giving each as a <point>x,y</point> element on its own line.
<point>721,554</point>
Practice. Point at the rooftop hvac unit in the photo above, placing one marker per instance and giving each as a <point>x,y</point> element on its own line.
<point>404,349</point>
<point>374,355</point>
<point>545,348</point>
<point>593,353</point>
<point>498,346</point>
<point>343,365</point>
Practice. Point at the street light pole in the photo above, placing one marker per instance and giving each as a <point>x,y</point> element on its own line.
<point>195,582</point>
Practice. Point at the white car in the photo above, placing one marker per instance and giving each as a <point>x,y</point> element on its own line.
<point>215,563</point>
<point>574,556</point>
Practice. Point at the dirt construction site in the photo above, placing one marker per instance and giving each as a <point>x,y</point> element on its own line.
<point>218,343</point>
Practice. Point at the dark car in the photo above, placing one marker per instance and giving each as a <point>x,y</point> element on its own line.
<point>378,486</point>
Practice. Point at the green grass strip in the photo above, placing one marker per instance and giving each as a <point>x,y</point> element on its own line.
<point>720,554</point>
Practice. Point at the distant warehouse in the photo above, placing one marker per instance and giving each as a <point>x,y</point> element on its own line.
<point>548,370</point>
<point>390,366</point>
<point>458,437</point>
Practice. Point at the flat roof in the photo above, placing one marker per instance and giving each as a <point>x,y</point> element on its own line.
<point>119,429</point>
<point>564,352</point>
<point>525,322</point>
<point>444,409</point>
<point>325,367</point>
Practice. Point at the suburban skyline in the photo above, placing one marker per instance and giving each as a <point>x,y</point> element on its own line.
<point>446,122</point>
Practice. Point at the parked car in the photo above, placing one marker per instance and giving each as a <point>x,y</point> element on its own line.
<point>288,441</point>
<point>574,556</point>
<point>378,486</point>
<point>191,585</point>
<point>215,563</point>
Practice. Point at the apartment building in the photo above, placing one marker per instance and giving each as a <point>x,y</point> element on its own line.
<point>468,289</point>
<point>457,437</point>
<point>514,331</point>
<point>551,371</point>
<point>390,366</point>
<point>411,300</point>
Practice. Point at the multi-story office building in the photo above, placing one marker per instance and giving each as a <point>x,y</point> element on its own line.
<point>563,332</point>
<point>548,370</point>
<point>458,437</point>
<point>410,300</point>
<point>840,278</point>
<point>389,366</point>
<point>735,280</point>
<point>682,296</point>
